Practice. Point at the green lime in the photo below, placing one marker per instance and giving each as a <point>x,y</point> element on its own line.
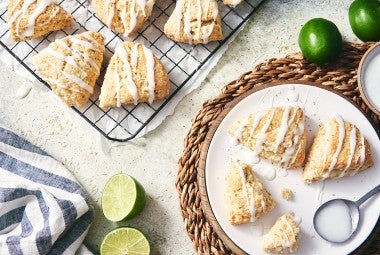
<point>125,240</point>
<point>320,41</point>
<point>123,198</point>
<point>364,16</point>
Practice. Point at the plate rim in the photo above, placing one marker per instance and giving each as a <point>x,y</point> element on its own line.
<point>205,203</point>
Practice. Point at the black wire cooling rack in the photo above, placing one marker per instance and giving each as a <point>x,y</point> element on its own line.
<point>182,61</point>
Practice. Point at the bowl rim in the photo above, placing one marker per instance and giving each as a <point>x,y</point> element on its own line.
<point>361,83</point>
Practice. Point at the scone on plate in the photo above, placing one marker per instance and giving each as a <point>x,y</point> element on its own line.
<point>232,3</point>
<point>133,75</point>
<point>339,149</point>
<point>277,134</point>
<point>28,19</point>
<point>283,237</point>
<point>71,66</point>
<point>194,22</point>
<point>246,198</point>
<point>125,17</point>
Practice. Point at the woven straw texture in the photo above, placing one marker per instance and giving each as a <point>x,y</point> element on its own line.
<point>341,76</point>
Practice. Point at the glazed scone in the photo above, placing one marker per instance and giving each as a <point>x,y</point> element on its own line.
<point>125,17</point>
<point>232,3</point>
<point>194,22</point>
<point>277,134</point>
<point>28,19</point>
<point>339,149</point>
<point>133,75</point>
<point>246,198</point>
<point>71,66</point>
<point>283,237</point>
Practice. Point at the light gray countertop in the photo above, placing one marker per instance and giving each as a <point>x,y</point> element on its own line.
<point>271,32</point>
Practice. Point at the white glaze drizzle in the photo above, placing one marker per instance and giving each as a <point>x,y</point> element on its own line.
<point>215,13</point>
<point>81,42</point>
<point>327,127</point>
<point>77,54</point>
<point>250,201</point>
<point>78,81</point>
<point>284,126</point>
<point>40,8</point>
<point>342,134</point>
<point>68,59</point>
<point>179,6</point>
<point>352,139</point>
<point>361,157</point>
<point>256,121</point>
<point>289,152</point>
<point>237,136</point>
<point>132,17</point>
<point>92,40</point>
<point>131,86</point>
<point>135,55</point>
<point>293,236</point>
<point>149,59</point>
<point>111,11</point>
<point>261,137</point>
<point>187,24</point>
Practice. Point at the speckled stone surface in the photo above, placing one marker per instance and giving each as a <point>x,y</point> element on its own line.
<point>48,123</point>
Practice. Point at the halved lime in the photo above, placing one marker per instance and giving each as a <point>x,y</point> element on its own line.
<point>123,241</point>
<point>123,198</point>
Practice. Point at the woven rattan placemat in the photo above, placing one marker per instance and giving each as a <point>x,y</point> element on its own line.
<point>341,76</point>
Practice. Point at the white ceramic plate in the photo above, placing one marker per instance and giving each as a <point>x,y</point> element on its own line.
<point>319,105</point>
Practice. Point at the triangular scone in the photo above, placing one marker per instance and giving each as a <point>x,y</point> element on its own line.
<point>232,3</point>
<point>283,237</point>
<point>277,134</point>
<point>194,21</point>
<point>246,198</point>
<point>125,17</point>
<point>28,19</point>
<point>71,66</point>
<point>133,75</point>
<point>339,149</point>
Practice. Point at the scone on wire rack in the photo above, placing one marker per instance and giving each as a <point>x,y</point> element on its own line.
<point>71,66</point>
<point>28,19</point>
<point>277,134</point>
<point>125,17</point>
<point>283,237</point>
<point>194,22</point>
<point>232,3</point>
<point>246,198</point>
<point>339,149</point>
<point>134,75</point>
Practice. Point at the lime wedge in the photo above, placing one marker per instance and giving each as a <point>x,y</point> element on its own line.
<point>123,241</point>
<point>123,198</point>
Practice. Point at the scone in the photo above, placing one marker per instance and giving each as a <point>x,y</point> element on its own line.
<point>232,3</point>
<point>194,22</point>
<point>283,237</point>
<point>125,17</point>
<point>28,19</point>
<point>133,75</point>
<point>71,66</point>
<point>339,149</point>
<point>246,198</point>
<point>277,134</point>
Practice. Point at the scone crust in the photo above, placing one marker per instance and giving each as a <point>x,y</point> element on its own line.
<point>236,202</point>
<point>108,97</point>
<point>52,19</point>
<point>119,21</point>
<point>323,148</point>
<point>283,237</point>
<point>55,71</point>
<point>290,153</point>
<point>232,3</point>
<point>210,23</point>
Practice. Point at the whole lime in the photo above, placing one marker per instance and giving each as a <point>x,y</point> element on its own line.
<point>320,41</point>
<point>364,16</point>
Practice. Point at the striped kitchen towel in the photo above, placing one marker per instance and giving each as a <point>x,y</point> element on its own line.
<point>43,209</point>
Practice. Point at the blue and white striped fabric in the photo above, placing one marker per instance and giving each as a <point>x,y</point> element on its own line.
<point>43,209</point>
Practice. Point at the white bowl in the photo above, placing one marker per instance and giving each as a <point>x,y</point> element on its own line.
<point>369,78</point>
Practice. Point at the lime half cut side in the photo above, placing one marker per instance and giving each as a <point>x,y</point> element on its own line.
<point>123,198</point>
<point>125,241</point>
